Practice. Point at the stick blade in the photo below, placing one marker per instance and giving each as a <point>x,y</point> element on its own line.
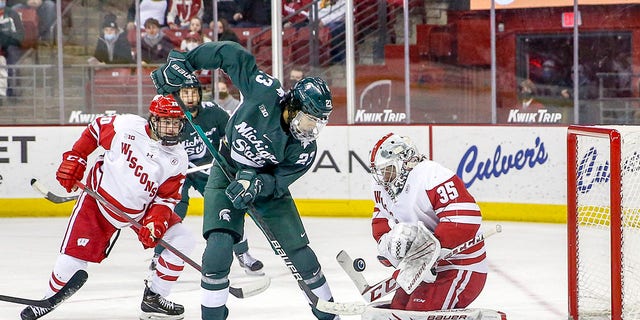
<point>249,289</point>
<point>38,186</point>
<point>73,285</point>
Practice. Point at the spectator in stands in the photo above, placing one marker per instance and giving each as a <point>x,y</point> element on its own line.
<point>157,9</point>
<point>296,74</point>
<point>46,11</point>
<point>253,13</point>
<point>226,10</point>
<point>224,31</point>
<point>332,15</point>
<point>225,99</point>
<point>112,46</point>
<point>293,19</point>
<point>182,11</point>
<point>195,27</point>
<point>191,41</point>
<point>155,45</point>
<point>527,101</point>
<point>11,36</point>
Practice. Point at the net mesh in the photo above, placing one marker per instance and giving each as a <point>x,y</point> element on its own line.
<point>593,225</point>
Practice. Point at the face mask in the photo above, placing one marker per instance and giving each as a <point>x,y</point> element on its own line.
<point>191,45</point>
<point>110,37</point>
<point>223,95</point>
<point>153,37</point>
<point>2,4</point>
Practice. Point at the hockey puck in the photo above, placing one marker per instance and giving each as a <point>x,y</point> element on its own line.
<point>359,264</point>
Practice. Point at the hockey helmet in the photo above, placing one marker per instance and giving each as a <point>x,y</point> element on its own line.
<point>311,97</point>
<point>392,157</point>
<point>166,119</point>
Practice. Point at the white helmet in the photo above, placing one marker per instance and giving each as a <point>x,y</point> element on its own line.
<point>392,157</point>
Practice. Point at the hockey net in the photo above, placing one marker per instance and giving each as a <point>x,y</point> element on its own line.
<point>603,222</point>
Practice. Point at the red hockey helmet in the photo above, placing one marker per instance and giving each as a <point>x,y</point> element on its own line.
<point>165,107</point>
<point>166,119</point>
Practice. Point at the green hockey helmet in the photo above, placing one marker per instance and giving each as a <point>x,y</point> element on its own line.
<point>311,97</point>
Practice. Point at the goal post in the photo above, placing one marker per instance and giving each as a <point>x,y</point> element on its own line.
<point>603,222</point>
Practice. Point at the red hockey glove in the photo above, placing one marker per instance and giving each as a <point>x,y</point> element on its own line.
<point>71,169</point>
<point>154,225</point>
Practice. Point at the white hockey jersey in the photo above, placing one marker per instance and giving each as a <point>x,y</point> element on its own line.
<point>437,197</point>
<point>135,171</point>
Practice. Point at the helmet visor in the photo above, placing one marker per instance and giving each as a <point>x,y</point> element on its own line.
<point>306,127</point>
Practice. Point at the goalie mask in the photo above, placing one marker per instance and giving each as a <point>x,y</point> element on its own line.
<point>309,105</point>
<point>392,158</point>
<point>166,119</point>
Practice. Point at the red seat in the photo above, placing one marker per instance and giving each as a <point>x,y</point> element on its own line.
<point>176,36</point>
<point>244,34</point>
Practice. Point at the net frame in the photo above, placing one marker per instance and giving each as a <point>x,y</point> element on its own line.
<point>597,290</point>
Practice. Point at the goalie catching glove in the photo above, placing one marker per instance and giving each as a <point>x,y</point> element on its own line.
<point>71,169</point>
<point>395,244</point>
<point>154,225</point>
<point>244,189</point>
<point>169,77</point>
<point>414,250</point>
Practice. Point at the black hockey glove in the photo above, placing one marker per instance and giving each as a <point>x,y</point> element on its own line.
<point>169,77</point>
<point>243,190</point>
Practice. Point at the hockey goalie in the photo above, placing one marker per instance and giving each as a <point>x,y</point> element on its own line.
<point>422,211</point>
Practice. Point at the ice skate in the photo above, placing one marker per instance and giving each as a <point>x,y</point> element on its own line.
<point>251,265</point>
<point>154,306</point>
<point>32,312</point>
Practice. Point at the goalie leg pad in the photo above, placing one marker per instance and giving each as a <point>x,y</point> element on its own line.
<point>381,311</point>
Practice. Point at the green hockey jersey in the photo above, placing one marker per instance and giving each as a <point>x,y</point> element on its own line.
<point>256,136</point>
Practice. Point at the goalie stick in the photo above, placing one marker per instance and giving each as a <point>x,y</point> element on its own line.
<point>378,290</point>
<point>35,184</point>
<point>74,284</point>
<point>353,308</point>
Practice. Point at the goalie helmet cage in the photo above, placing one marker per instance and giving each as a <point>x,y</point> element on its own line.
<point>603,222</point>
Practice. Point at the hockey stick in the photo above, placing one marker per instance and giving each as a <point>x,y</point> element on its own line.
<point>35,184</point>
<point>322,305</point>
<point>376,291</point>
<point>61,199</point>
<point>72,286</point>
<point>256,287</point>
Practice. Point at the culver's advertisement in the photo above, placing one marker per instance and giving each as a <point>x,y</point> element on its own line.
<point>497,163</point>
<point>506,164</point>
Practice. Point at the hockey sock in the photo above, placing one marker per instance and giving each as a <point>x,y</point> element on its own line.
<point>170,266</point>
<point>216,261</point>
<point>241,247</point>
<point>65,267</point>
<point>219,313</point>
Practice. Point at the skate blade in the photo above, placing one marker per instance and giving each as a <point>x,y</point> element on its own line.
<point>160,316</point>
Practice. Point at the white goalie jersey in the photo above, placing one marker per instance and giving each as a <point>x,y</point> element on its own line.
<point>435,196</point>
